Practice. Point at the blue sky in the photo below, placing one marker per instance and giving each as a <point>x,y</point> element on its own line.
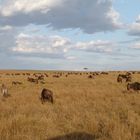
<point>70,34</point>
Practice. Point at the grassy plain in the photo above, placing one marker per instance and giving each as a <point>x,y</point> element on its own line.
<point>83,109</point>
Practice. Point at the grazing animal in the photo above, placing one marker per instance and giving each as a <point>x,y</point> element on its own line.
<point>106,73</point>
<point>119,79</point>
<point>128,73</point>
<point>46,75</point>
<point>56,76</point>
<point>123,76</point>
<point>41,77</point>
<point>16,83</point>
<point>46,94</point>
<point>129,79</point>
<point>4,90</point>
<point>135,86</point>
<point>90,76</point>
<point>32,80</point>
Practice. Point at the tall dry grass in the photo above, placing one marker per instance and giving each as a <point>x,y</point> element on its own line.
<point>98,109</point>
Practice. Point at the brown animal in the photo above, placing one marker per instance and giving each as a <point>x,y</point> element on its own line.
<point>90,76</point>
<point>16,83</point>
<point>123,76</point>
<point>32,80</point>
<point>128,73</point>
<point>41,77</point>
<point>56,76</point>
<point>46,75</point>
<point>129,79</point>
<point>119,79</point>
<point>106,73</point>
<point>4,90</point>
<point>135,86</point>
<point>46,94</point>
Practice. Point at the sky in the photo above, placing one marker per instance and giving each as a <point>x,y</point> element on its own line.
<point>70,34</point>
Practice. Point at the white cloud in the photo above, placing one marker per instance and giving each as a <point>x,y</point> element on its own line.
<point>5,28</point>
<point>138,19</point>
<point>96,46</point>
<point>88,15</point>
<point>70,57</point>
<point>134,28</point>
<point>7,38</point>
<point>136,46</point>
<point>12,7</point>
<point>57,46</point>
<point>41,45</point>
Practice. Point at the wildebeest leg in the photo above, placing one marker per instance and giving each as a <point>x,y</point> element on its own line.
<point>51,99</point>
<point>42,101</point>
<point>4,94</point>
<point>130,91</point>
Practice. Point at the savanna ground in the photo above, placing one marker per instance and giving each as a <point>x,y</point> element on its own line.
<point>83,109</point>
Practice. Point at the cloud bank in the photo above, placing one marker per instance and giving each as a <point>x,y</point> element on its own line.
<point>90,16</point>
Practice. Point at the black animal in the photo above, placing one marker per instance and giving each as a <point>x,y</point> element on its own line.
<point>46,95</point>
<point>135,86</point>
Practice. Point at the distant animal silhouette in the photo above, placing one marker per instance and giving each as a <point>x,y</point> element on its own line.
<point>135,86</point>
<point>4,90</point>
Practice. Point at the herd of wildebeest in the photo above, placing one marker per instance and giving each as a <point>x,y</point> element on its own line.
<point>47,95</point>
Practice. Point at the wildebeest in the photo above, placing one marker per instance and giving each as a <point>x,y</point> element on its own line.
<point>46,75</point>
<point>128,73</point>
<point>46,94</point>
<point>135,86</point>
<point>16,74</point>
<point>41,77</point>
<point>16,83</point>
<point>127,77</point>
<point>124,76</point>
<point>119,79</point>
<point>4,90</point>
<point>56,76</point>
<point>106,73</point>
<point>90,76</point>
<point>32,80</point>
